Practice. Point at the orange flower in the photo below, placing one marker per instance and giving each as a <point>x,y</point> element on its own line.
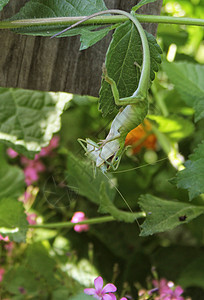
<point>140,137</point>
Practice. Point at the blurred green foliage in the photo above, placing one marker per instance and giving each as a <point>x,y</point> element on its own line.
<point>59,263</point>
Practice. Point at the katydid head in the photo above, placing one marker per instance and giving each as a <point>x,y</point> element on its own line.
<point>110,154</point>
<point>105,155</point>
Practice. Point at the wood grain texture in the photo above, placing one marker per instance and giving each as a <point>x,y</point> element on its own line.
<point>56,65</point>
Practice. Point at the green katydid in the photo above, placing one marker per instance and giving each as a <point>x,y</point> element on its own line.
<point>107,153</point>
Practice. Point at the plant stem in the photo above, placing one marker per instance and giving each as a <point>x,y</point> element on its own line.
<point>159,100</point>
<point>89,221</point>
<point>105,20</point>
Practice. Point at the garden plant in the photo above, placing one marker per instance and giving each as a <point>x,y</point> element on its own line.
<point>103,197</point>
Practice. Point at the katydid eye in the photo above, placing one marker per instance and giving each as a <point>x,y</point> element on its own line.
<point>110,158</point>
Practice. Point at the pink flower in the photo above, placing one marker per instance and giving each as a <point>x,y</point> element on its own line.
<point>27,196</point>
<point>123,298</point>
<point>31,175</point>
<point>2,271</point>
<point>167,291</point>
<point>11,153</point>
<point>54,143</point>
<point>25,160</point>
<point>35,164</point>
<point>38,165</point>
<point>33,167</point>
<point>79,216</point>
<point>46,151</point>
<point>5,239</point>
<point>9,247</point>
<point>31,218</point>
<point>101,293</point>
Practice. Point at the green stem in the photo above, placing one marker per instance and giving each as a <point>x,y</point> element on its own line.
<point>105,20</point>
<point>143,84</point>
<point>89,221</point>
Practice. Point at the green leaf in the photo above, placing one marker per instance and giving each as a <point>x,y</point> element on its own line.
<point>176,105</point>
<point>36,273</point>
<point>170,34</point>
<point>21,276</point>
<point>162,215</point>
<point>51,30</point>
<point>29,118</point>
<point>198,153</point>
<point>61,293</point>
<point>188,81</point>
<point>12,183</point>
<point>192,177</point>
<point>40,262</point>
<point>107,207</point>
<point>13,221</point>
<point>123,63</point>
<point>81,296</point>
<point>141,3</point>
<point>51,9</point>
<point>175,127</point>
<point>89,38</point>
<point>3,3</point>
<point>80,175</point>
<point>62,8</point>
<point>167,141</point>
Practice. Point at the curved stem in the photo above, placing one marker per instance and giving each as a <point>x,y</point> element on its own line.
<point>145,72</point>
